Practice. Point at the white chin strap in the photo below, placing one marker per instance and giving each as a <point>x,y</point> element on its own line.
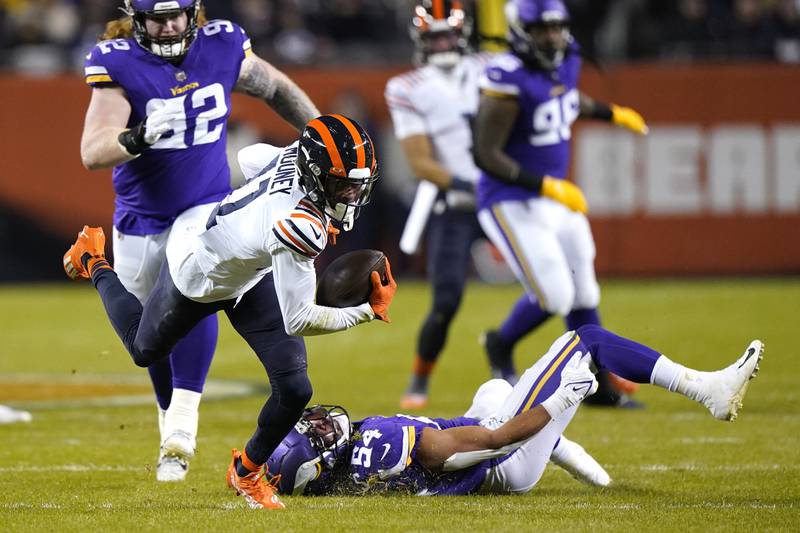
<point>343,214</point>
<point>444,59</point>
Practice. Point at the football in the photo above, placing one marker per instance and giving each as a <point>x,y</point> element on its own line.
<point>346,281</point>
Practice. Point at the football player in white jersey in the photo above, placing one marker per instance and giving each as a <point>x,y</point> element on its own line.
<point>252,256</point>
<point>431,108</point>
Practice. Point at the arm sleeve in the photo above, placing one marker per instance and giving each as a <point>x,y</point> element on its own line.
<point>295,283</point>
<point>406,118</point>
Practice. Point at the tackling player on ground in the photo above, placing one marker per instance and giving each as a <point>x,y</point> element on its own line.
<point>161,80</point>
<point>252,256</point>
<point>505,440</point>
<point>529,100</point>
<point>432,108</point>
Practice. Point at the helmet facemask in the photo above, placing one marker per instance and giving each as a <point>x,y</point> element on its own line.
<point>172,47</point>
<point>328,429</point>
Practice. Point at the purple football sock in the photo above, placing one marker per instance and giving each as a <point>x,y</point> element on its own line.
<point>525,316</point>
<point>623,357</point>
<point>191,357</point>
<point>582,317</point>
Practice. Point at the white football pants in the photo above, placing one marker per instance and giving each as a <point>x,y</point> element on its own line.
<point>550,249</point>
<point>520,470</point>
<point>138,259</point>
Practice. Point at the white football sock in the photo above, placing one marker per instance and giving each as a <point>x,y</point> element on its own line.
<point>183,412</point>
<point>162,413</point>
<point>677,378</point>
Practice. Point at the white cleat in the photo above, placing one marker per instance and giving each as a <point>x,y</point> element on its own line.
<point>171,468</point>
<point>729,385</point>
<point>173,461</point>
<point>579,464</point>
<point>10,416</point>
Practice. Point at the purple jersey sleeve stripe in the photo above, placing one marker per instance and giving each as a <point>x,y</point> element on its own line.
<point>549,371</point>
<point>513,245</point>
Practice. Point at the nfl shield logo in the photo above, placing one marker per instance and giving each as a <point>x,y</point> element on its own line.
<point>180,76</point>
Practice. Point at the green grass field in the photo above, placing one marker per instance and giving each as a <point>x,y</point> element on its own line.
<point>81,466</point>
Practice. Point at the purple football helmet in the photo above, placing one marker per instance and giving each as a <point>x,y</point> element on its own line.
<point>526,15</point>
<point>314,445</point>
<point>174,46</point>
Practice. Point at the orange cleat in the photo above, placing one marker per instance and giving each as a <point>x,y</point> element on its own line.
<point>87,254</point>
<point>259,493</point>
<point>414,401</point>
<point>621,384</point>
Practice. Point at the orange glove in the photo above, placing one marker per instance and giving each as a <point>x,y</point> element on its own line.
<point>381,296</point>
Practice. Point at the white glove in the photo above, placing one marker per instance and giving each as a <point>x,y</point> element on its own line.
<point>577,382</point>
<point>158,122</point>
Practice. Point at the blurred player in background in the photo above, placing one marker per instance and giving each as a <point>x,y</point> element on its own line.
<point>252,256</point>
<point>432,108</point>
<point>529,100</point>
<point>161,80</point>
<point>505,440</point>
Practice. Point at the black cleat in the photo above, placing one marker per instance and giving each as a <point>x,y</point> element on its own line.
<point>499,352</point>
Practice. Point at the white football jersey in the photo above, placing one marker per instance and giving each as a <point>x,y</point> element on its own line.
<point>220,251</point>
<point>440,104</point>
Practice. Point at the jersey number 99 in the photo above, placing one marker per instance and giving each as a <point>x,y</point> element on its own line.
<point>552,120</point>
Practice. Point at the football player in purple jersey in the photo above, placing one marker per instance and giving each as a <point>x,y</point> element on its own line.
<point>529,100</point>
<point>161,79</point>
<point>504,441</point>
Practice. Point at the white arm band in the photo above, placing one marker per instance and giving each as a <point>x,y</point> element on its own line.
<point>461,460</point>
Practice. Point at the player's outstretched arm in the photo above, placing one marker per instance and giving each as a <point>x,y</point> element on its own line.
<point>106,117</point>
<point>295,285</point>
<point>624,117</point>
<point>464,446</point>
<point>261,80</point>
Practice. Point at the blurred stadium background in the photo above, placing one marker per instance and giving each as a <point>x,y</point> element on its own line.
<point>714,189</point>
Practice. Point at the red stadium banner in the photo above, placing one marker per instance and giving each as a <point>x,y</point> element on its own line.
<point>714,188</point>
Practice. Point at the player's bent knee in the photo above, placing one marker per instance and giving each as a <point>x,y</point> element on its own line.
<point>559,303</point>
<point>294,390</point>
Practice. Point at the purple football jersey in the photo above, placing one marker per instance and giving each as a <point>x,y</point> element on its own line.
<point>384,457</point>
<point>549,102</point>
<point>187,166</point>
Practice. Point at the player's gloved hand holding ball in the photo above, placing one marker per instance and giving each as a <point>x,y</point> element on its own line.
<point>577,382</point>
<point>382,295</point>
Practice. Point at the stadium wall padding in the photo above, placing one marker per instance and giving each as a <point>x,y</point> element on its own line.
<point>715,188</point>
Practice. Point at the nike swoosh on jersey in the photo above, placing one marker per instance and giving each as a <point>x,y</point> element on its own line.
<point>386,448</point>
